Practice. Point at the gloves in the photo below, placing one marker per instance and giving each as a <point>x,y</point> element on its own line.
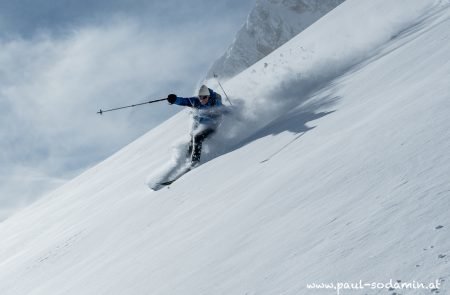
<point>171,98</point>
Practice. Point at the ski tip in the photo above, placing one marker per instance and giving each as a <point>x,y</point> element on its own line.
<point>158,186</point>
<point>167,183</point>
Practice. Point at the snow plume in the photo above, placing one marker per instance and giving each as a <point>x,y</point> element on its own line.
<point>258,115</point>
<point>287,94</point>
<point>176,163</point>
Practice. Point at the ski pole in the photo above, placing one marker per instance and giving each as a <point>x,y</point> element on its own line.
<point>130,106</point>
<point>217,78</point>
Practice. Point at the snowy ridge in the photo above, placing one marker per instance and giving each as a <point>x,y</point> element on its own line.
<point>335,170</point>
<point>269,25</point>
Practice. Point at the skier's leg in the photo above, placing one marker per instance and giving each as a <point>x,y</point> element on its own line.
<point>189,149</point>
<point>191,142</point>
<point>198,143</point>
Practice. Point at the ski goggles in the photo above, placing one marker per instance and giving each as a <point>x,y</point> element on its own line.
<point>203,97</point>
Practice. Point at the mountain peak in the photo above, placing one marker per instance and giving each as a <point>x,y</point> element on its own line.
<point>270,24</point>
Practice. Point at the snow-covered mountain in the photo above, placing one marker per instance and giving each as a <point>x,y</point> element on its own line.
<point>270,24</point>
<point>335,171</point>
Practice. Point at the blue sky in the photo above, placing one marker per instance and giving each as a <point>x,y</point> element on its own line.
<point>60,61</point>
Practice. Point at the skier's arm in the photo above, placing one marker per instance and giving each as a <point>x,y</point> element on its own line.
<point>219,100</point>
<point>182,101</point>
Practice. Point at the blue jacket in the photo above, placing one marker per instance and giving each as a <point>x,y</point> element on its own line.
<point>209,114</point>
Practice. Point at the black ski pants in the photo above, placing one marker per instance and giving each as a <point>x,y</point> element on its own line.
<point>195,145</point>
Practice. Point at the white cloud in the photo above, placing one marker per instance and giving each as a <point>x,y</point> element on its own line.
<point>51,89</point>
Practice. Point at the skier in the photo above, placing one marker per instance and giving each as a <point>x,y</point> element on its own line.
<point>207,114</point>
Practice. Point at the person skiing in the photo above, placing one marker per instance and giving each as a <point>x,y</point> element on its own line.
<point>207,114</point>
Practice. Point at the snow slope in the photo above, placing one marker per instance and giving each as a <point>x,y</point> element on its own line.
<point>340,175</point>
<point>270,24</point>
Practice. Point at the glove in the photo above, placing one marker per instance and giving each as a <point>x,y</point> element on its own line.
<point>171,98</point>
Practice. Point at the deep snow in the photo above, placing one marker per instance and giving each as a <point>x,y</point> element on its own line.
<point>338,172</point>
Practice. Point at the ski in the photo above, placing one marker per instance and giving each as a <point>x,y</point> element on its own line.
<point>169,182</point>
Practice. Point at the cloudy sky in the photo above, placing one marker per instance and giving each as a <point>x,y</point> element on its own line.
<point>61,61</point>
